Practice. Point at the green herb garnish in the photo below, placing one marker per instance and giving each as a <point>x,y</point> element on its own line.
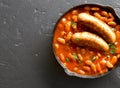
<point>113,48</point>
<point>110,44</point>
<point>75,56</point>
<point>94,58</point>
<point>77,59</point>
<point>74,24</point>
<point>112,51</point>
<point>77,39</point>
<point>67,60</point>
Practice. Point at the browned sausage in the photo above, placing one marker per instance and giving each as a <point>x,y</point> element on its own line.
<point>97,25</point>
<point>89,39</point>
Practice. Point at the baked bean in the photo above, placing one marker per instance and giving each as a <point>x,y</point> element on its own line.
<point>111,16</point>
<point>108,58</point>
<point>117,34</point>
<point>116,43</point>
<point>56,46</point>
<point>81,72</point>
<point>75,18</point>
<point>68,37</point>
<point>117,28</point>
<point>112,23</point>
<point>61,40</point>
<point>86,68</point>
<point>87,12</point>
<point>62,58</point>
<point>96,14</point>
<point>65,64</point>
<point>109,64</point>
<point>60,26</point>
<point>98,54</point>
<point>109,20</point>
<point>91,52</point>
<point>63,33</point>
<point>103,62</point>
<point>104,13</point>
<point>93,66</point>
<point>74,12</point>
<point>87,8</point>
<point>80,57</point>
<point>68,18</point>
<point>118,56</point>
<point>104,19</point>
<point>88,62</point>
<point>95,8</point>
<point>64,20</point>
<point>113,60</point>
<point>75,68</point>
<point>68,26</point>
<point>98,67</point>
<point>103,70</point>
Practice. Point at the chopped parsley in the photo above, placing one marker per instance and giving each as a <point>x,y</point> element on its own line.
<point>75,56</point>
<point>74,24</point>
<point>112,51</point>
<point>113,48</point>
<point>77,39</point>
<point>67,60</point>
<point>94,58</point>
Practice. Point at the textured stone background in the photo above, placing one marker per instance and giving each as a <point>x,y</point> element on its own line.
<point>26,57</point>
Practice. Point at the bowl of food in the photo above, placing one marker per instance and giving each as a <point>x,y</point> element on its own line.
<point>86,41</point>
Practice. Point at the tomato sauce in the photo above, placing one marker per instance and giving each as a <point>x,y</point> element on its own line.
<point>85,60</point>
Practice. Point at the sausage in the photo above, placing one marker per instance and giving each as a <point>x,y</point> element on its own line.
<point>98,26</point>
<point>89,39</point>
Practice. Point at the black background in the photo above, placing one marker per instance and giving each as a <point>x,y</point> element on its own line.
<point>26,57</point>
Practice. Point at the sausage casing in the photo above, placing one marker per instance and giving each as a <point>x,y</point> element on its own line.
<point>97,25</point>
<point>89,39</point>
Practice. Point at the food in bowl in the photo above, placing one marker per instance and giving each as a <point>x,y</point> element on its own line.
<point>87,40</point>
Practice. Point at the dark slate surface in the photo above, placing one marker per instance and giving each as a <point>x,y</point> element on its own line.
<point>26,57</point>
